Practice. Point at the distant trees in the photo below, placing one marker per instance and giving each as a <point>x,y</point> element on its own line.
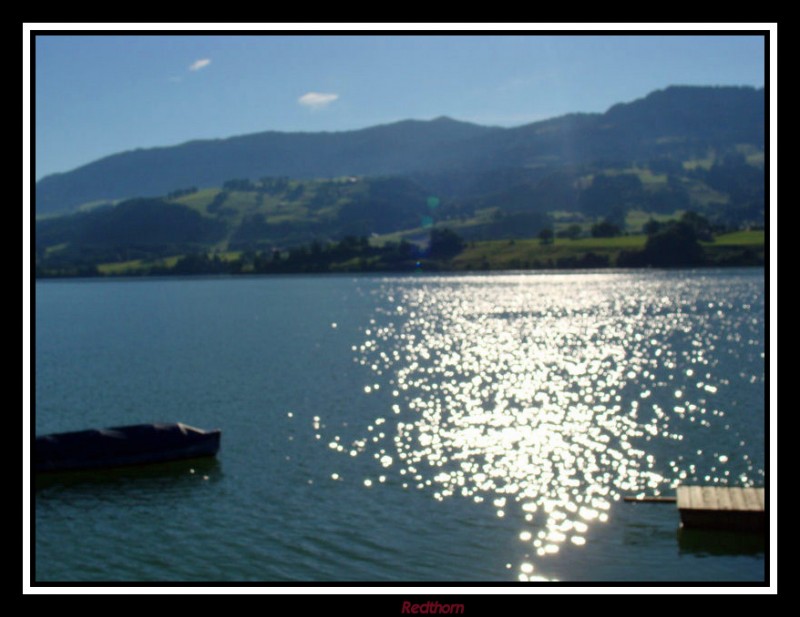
<point>146,222</point>
<point>296,193</point>
<point>671,244</point>
<point>181,192</point>
<point>218,201</point>
<point>651,227</point>
<point>351,254</point>
<point>520,225</point>
<point>674,246</point>
<point>273,186</point>
<point>573,232</point>
<point>667,200</point>
<point>607,192</point>
<point>745,185</point>
<point>239,184</point>
<point>605,229</point>
<point>444,244</point>
<point>699,224</point>
<point>200,263</point>
<point>253,228</point>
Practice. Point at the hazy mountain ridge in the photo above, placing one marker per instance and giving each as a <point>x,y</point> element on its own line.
<point>677,122</point>
<point>392,149</point>
<point>630,169</point>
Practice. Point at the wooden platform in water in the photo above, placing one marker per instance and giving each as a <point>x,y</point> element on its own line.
<point>714,507</point>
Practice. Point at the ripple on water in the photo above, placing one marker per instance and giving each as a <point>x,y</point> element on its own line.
<point>553,395</point>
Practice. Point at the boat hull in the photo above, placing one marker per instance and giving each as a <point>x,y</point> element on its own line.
<point>122,446</point>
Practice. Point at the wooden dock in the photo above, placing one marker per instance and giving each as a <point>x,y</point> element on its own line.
<point>713,507</point>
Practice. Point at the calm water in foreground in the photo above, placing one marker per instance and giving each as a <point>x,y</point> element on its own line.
<point>405,429</point>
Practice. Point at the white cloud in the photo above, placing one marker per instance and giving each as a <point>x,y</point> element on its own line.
<point>199,64</point>
<point>317,100</point>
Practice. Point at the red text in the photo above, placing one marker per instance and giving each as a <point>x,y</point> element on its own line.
<point>432,608</point>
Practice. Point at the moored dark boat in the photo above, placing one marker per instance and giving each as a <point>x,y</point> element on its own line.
<point>123,445</point>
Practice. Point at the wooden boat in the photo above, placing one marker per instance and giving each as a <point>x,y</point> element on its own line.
<point>123,445</point>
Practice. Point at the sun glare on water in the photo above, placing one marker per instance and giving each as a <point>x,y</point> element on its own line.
<point>542,394</point>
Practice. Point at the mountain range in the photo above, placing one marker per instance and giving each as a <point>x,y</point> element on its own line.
<point>695,150</point>
<point>455,159</point>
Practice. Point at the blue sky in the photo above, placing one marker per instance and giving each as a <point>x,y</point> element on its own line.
<point>101,94</point>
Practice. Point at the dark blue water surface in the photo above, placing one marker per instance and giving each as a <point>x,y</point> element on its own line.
<point>405,429</point>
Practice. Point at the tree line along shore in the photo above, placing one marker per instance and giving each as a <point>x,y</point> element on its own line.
<point>686,242</point>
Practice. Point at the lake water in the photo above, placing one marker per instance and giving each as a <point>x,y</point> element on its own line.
<point>399,429</point>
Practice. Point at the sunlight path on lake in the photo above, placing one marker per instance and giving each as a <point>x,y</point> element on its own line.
<point>551,394</point>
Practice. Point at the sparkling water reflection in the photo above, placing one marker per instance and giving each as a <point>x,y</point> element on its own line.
<point>383,429</point>
<point>556,394</point>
